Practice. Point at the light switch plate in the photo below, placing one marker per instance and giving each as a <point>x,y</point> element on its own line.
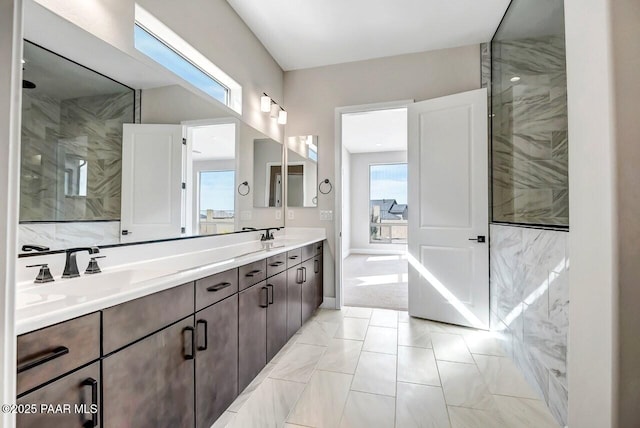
<point>291,214</point>
<point>326,215</point>
<point>278,214</point>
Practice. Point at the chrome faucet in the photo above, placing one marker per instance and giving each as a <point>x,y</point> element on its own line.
<point>70,266</point>
<point>266,236</point>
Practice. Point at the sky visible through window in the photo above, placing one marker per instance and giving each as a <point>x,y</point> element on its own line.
<point>389,182</point>
<point>168,58</point>
<point>217,190</point>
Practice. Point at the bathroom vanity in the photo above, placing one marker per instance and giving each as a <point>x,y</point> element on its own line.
<point>170,350</point>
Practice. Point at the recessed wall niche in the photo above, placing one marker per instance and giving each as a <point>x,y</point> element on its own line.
<point>71,140</point>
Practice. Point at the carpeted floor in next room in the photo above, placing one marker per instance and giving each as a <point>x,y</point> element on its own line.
<point>375,281</point>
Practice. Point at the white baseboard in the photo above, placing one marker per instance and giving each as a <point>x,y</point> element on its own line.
<point>328,303</point>
<point>375,251</point>
<point>346,254</point>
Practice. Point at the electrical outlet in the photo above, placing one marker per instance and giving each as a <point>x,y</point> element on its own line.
<point>326,215</point>
<point>278,214</point>
<point>291,214</point>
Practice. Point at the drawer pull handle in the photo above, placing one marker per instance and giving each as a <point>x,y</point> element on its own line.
<point>206,328</point>
<point>219,287</point>
<point>185,349</point>
<point>276,264</point>
<point>304,271</point>
<point>254,272</point>
<point>266,304</point>
<point>93,422</point>
<point>293,257</point>
<point>316,266</point>
<point>271,298</point>
<point>51,355</point>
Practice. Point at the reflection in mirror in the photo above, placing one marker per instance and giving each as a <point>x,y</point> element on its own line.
<point>302,171</point>
<point>267,173</point>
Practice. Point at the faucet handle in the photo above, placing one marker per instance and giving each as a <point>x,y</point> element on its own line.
<point>93,265</point>
<point>44,275</point>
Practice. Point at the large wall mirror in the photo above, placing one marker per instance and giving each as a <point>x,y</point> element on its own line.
<point>302,171</point>
<point>116,149</point>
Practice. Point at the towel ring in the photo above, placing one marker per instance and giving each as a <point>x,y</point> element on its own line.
<point>244,184</point>
<point>325,181</point>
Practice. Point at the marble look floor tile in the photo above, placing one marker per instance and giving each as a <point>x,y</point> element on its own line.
<point>318,333</point>
<point>244,395</point>
<point>352,328</point>
<point>286,348</point>
<point>464,386</point>
<point>384,318</point>
<point>354,312</point>
<point>414,334</point>
<point>420,406</point>
<point>462,417</point>
<point>329,315</point>
<point>451,347</point>
<point>502,377</point>
<point>225,420</point>
<point>440,327</point>
<point>298,364</point>
<point>269,404</point>
<point>376,373</point>
<point>341,356</point>
<point>485,343</point>
<point>417,365</point>
<point>403,316</point>
<point>365,410</point>
<point>322,401</point>
<point>381,339</point>
<point>524,413</point>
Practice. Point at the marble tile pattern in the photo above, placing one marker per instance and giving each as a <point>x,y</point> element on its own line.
<point>350,387</point>
<point>88,128</point>
<point>529,290</point>
<point>59,236</point>
<point>529,126</point>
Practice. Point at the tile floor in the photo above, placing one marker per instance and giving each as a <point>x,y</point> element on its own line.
<point>376,281</point>
<point>370,368</point>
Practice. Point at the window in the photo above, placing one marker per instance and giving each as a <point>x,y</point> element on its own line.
<point>216,202</point>
<point>388,209</point>
<point>160,43</point>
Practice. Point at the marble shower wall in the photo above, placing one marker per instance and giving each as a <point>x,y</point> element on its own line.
<point>529,291</point>
<point>89,128</point>
<point>58,236</point>
<point>529,122</point>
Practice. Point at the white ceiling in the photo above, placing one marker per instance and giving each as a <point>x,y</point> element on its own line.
<point>214,142</point>
<point>311,33</point>
<point>375,131</point>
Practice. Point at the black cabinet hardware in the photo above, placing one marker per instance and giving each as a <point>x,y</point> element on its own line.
<point>270,298</point>
<point>479,239</point>
<point>304,274</point>
<point>316,266</point>
<point>191,347</point>
<point>276,264</point>
<point>219,287</point>
<point>299,277</point>
<point>266,299</point>
<point>254,272</point>
<point>93,422</point>
<point>51,355</point>
<point>205,324</point>
<point>293,257</point>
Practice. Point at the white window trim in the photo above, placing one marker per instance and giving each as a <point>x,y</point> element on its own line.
<point>177,43</point>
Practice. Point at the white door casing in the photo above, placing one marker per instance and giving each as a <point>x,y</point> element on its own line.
<point>448,206</point>
<point>152,177</point>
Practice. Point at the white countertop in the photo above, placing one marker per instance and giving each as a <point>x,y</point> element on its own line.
<point>41,305</point>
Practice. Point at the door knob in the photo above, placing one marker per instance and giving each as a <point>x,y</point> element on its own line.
<point>480,239</point>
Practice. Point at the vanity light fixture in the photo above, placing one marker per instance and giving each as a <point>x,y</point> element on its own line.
<point>275,110</point>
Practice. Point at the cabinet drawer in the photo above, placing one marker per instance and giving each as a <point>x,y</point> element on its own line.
<point>135,319</point>
<point>318,246</point>
<point>79,388</point>
<point>216,287</point>
<point>55,350</point>
<point>276,264</point>
<point>308,251</point>
<point>251,274</point>
<point>294,257</point>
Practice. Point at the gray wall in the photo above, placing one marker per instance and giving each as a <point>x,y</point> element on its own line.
<point>312,95</point>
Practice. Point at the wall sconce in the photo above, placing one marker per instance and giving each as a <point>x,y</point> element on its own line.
<point>275,110</point>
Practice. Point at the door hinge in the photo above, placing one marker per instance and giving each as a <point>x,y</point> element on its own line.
<point>183,230</point>
<point>184,185</point>
<point>184,141</point>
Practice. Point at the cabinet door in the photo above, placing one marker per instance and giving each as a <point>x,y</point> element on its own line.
<point>150,383</point>
<point>276,314</point>
<point>80,388</point>
<point>294,300</point>
<point>308,290</point>
<point>252,333</point>
<point>319,284</point>
<point>216,360</point>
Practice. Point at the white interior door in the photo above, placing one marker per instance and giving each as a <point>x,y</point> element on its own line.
<point>152,177</point>
<point>448,208</point>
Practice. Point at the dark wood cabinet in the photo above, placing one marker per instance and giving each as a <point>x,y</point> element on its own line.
<point>318,278</point>
<point>276,314</point>
<point>294,300</point>
<point>252,332</point>
<point>150,383</point>
<point>308,290</point>
<point>80,390</point>
<point>216,360</point>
